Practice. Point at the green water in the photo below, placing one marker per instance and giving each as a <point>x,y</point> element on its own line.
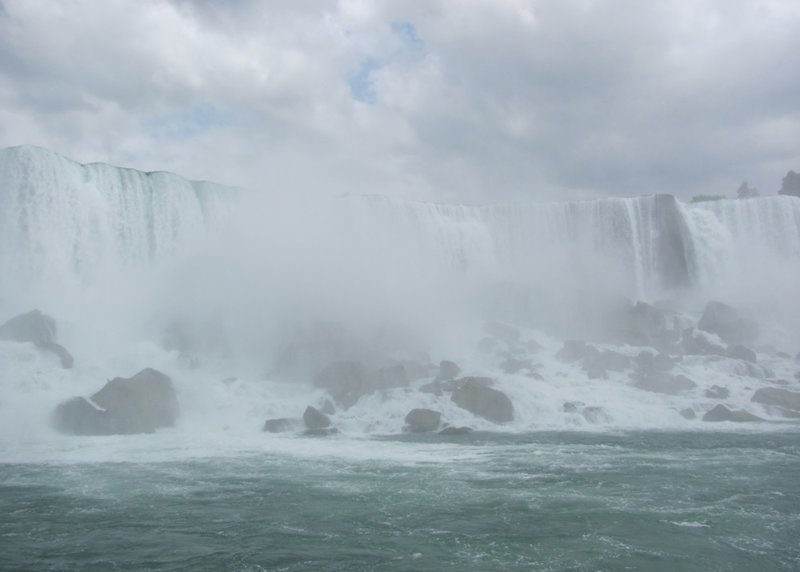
<point>641,501</point>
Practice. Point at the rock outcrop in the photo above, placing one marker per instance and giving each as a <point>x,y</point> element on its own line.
<point>31,327</point>
<point>725,321</point>
<point>423,420</point>
<point>721,413</point>
<point>315,419</point>
<point>483,401</point>
<point>140,404</point>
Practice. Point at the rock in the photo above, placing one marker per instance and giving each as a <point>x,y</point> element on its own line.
<point>717,392</point>
<point>650,363</point>
<point>502,331</point>
<point>328,408</point>
<point>774,396</point>
<point>664,383</point>
<point>315,419</point>
<point>455,431</point>
<point>722,413</point>
<point>741,352</point>
<point>574,350</point>
<point>696,343</point>
<point>572,406</point>
<point>513,365</point>
<point>77,416</point>
<point>140,404</point>
<point>31,327</point>
<point>688,413</point>
<point>725,321</point>
<point>483,401</point>
<point>434,387</point>
<point>423,420</point>
<point>280,425</point>
<point>644,324</point>
<point>59,351</point>
<point>597,365</point>
<point>747,369</point>
<point>388,378</point>
<point>448,370</point>
<point>595,415</point>
<point>345,381</point>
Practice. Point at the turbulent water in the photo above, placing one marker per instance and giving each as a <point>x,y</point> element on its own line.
<point>240,297</point>
<point>552,501</point>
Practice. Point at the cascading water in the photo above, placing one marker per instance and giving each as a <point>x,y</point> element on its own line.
<point>118,255</point>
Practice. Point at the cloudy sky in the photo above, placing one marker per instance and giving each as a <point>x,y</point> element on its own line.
<point>468,100</point>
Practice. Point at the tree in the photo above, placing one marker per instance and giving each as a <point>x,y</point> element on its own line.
<point>790,185</point>
<point>745,191</point>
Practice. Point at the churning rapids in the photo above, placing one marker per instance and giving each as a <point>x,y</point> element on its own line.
<point>404,385</point>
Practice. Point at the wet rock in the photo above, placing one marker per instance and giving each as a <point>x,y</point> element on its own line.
<point>696,343</point>
<point>328,408</point>
<point>280,425</point>
<point>502,331</point>
<point>447,370</point>
<point>597,365</point>
<point>513,365</point>
<point>455,431</point>
<point>644,324</point>
<point>717,392</point>
<point>483,401</point>
<point>741,352</point>
<point>315,419</point>
<point>434,388</point>
<point>688,413</point>
<point>423,420</point>
<point>572,406</point>
<point>747,369</point>
<point>388,378</point>
<point>345,381</point>
<point>59,351</point>
<point>725,321</point>
<point>574,350</point>
<point>777,397</point>
<point>31,327</point>
<point>649,363</point>
<point>664,383</point>
<point>140,404</point>
<point>722,413</point>
<point>595,415</point>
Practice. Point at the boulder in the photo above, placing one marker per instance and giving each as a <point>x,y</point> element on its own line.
<point>664,383</point>
<point>345,381</point>
<point>434,387</point>
<point>77,416</point>
<point>483,401</point>
<point>777,397</point>
<point>455,431</point>
<point>571,406</point>
<point>574,350</point>
<point>140,404</point>
<point>31,327</point>
<point>281,425</point>
<point>513,365</point>
<point>688,413</point>
<point>725,321</point>
<point>423,420</point>
<point>644,323</point>
<point>447,370</point>
<point>722,413</point>
<point>502,331</point>
<point>597,365</point>
<point>595,415</point>
<point>388,378</point>
<point>650,363</point>
<point>747,369</point>
<point>717,392</point>
<point>59,351</point>
<point>741,352</point>
<point>315,419</point>
<point>696,343</point>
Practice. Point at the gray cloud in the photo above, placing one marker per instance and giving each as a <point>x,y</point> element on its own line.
<point>474,101</point>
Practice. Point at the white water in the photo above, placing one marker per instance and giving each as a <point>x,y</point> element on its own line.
<point>116,255</point>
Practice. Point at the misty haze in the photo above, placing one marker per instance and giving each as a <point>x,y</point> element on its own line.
<point>399,286</point>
